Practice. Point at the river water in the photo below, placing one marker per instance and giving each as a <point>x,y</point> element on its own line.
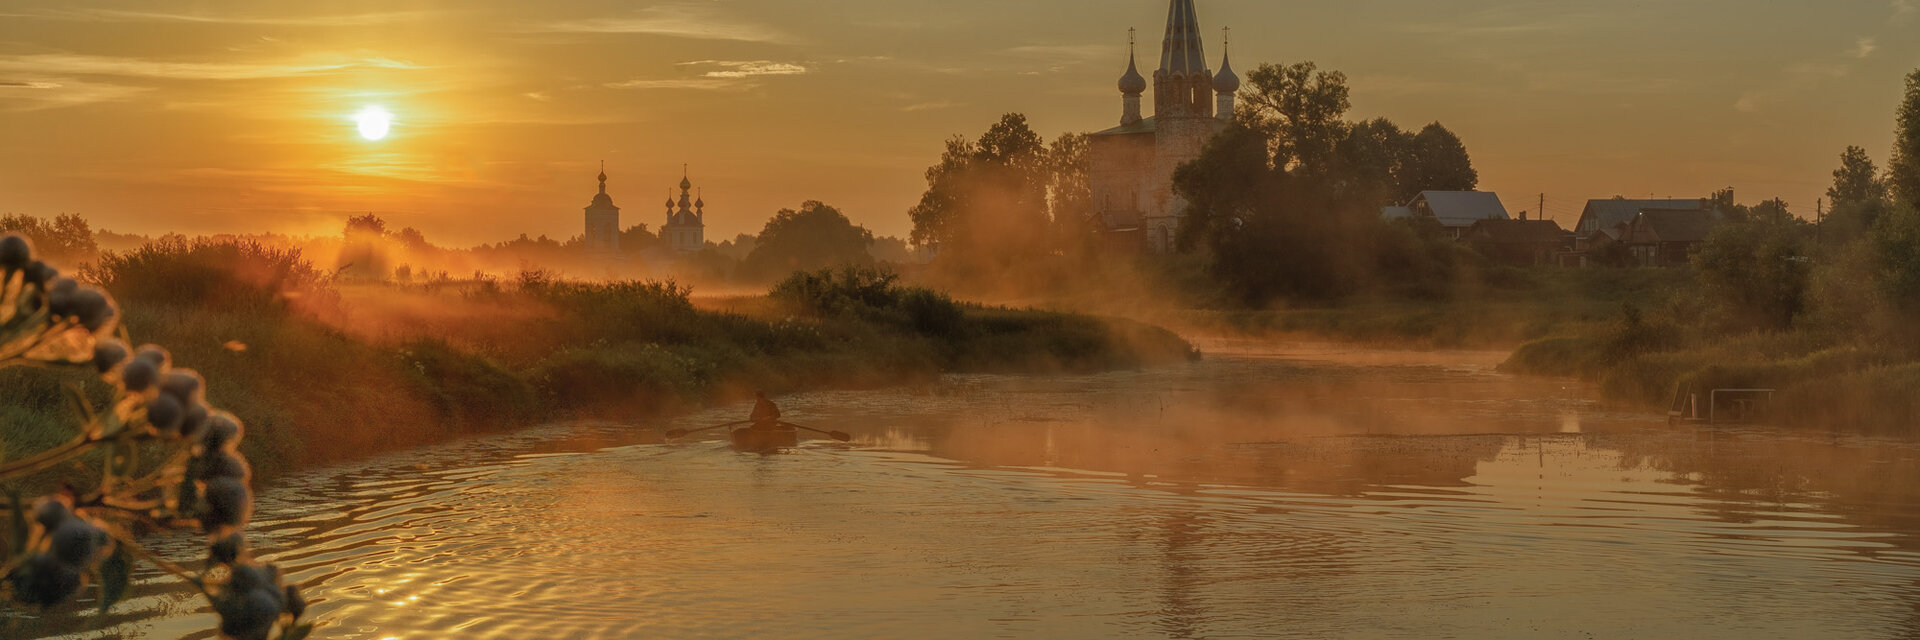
<point>1266,491</point>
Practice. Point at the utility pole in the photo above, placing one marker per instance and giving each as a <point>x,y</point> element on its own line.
<point>1543,207</point>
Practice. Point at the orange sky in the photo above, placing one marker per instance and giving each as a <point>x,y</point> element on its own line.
<point>222,115</point>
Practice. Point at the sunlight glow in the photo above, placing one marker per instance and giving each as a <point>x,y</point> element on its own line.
<point>374,122</point>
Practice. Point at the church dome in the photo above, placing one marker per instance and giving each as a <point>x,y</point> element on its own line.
<point>1132,83</point>
<point>1225,81</point>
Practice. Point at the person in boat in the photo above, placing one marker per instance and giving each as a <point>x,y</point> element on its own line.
<point>765,416</point>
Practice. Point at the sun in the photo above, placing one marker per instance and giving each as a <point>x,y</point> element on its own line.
<point>374,122</point>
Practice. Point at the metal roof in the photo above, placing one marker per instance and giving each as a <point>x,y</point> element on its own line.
<point>1604,214</point>
<point>1180,51</point>
<point>1461,208</point>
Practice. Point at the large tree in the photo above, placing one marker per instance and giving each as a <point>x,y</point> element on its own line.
<point>1756,270</point>
<point>66,240</point>
<point>1904,169</point>
<point>987,198</point>
<point>1857,180</point>
<point>1287,198</point>
<point>816,236</point>
<point>1069,188</point>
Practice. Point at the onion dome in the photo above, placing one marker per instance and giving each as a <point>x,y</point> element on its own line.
<point>685,184</point>
<point>1225,81</point>
<point>1132,83</point>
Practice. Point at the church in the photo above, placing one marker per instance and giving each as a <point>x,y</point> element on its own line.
<point>1131,175</point>
<point>684,231</point>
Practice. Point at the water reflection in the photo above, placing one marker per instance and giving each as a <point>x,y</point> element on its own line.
<point>1319,494</point>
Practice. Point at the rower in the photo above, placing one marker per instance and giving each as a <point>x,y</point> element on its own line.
<point>765,417</point>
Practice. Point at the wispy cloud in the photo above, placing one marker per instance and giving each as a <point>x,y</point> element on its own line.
<point>72,64</point>
<point>746,68</point>
<point>711,84</point>
<point>1865,47</point>
<point>674,20</point>
<point>930,106</point>
<point>1513,20</point>
<point>1903,10</point>
<point>342,20</point>
<point>1068,52</point>
<point>34,95</point>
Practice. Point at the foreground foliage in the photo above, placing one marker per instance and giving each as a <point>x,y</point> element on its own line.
<point>156,456</point>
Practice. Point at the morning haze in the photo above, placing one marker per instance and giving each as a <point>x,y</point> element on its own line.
<point>235,116</point>
<point>1136,319</point>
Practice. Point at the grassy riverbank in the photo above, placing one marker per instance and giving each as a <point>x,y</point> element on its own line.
<point>323,371</point>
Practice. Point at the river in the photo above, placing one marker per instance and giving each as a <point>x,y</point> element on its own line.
<point>1265,491</point>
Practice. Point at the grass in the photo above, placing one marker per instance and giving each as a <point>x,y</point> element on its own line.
<point>321,371</point>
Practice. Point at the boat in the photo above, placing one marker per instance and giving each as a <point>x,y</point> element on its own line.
<point>751,439</point>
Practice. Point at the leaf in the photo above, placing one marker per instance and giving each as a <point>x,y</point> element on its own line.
<point>19,529</point>
<point>115,573</point>
<point>297,632</point>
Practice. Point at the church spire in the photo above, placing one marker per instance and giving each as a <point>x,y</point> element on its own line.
<point>1183,85</point>
<point>1225,83</point>
<point>603,176</point>
<point>1180,51</point>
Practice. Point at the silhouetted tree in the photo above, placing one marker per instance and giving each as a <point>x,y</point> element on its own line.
<point>1304,108</point>
<point>817,236</point>
<point>1757,269</point>
<point>1439,163</point>
<point>987,199</point>
<point>1857,180</point>
<point>1904,169</point>
<point>1069,190</point>
<point>67,239</point>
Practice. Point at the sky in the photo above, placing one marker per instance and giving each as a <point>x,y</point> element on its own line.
<point>208,116</point>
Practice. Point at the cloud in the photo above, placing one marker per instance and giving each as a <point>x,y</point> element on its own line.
<point>344,20</point>
<point>1068,53</point>
<point>34,95</point>
<point>1903,10</point>
<point>747,68</point>
<point>673,20</point>
<point>930,106</point>
<point>1865,47</point>
<point>72,64</point>
<point>702,83</point>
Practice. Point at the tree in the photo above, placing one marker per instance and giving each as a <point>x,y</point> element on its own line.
<point>1305,107</point>
<point>1439,163</point>
<point>987,198</point>
<point>1373,161</point>
<point>1757,270</point>
<point>1857,180</point>
<point>1069,188</point>
<point>1904,169</point>
<point>363,256</point>
<point>67,239</point>
<point>817,236</point>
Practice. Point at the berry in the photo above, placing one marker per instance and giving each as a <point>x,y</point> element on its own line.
<point>229,504</point>
<point>108,354</point>
<point>220,463</point>
<point>76,541</point>
<point>195,421</point>
<point>40,273</point>
<point>183,384</point>
<point>227,549</point>
<point>92,308</point>
<point>250,614</point>
<point>155,354</point>
<point>51,512</point>
<point>43,580</point>
<point>138,375</point>
<point>223,430</point>
<point>165,413</point>
<point>296,603</point>
<point>15,252</point>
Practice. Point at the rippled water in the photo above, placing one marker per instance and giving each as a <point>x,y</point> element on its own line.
<point>1306,493</point>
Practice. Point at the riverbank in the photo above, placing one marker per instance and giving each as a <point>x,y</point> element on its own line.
<point>324,371</point>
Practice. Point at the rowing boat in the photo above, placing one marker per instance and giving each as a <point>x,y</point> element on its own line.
<point>751,439</point>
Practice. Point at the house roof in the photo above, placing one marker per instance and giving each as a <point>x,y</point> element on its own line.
<point>1145,125</point>
<point>1602,214</point>
<point>1518,231</point>
<point>1676,226</point>
<point>1461,208</point>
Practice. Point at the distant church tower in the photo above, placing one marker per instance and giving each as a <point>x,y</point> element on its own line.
<point>603,220</point>
<point>1132,164</point>
<point>686,226</point>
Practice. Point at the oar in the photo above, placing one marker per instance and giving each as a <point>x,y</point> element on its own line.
<point>837,435</point>
<point>675,433</point>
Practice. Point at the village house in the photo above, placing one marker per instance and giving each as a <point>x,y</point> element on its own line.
<point>1667,238</point>
<point>1453,211</point>
<point>1520,242</point>
<point>1619,232</point>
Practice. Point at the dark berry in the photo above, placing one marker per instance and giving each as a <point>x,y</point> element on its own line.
<point>194,422</point>
<point>220,463</point>
<point>229,504</point>
<point>51,512</point>
<point>227,549</point>
<point>76,541</point>
<point>138,375</point>
<point>223,430</point>
<point>250,614</point>
<point>40,273</point>
<point>165,413</point>
<point>155,354</point>
<point>92,309</point>
<point>108,354</point>
<point>43,580</point>
<point>15,252</point>
<point>183,384</point>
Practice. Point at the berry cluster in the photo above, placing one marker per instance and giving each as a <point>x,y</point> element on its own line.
<point>81,536</point>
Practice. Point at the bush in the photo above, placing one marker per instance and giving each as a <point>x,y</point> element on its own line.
<point>238,276</point>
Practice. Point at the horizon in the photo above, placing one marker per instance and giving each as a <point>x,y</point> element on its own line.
<point>771,104</point>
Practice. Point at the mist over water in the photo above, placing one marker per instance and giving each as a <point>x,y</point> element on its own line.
<point>1262,492</point>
